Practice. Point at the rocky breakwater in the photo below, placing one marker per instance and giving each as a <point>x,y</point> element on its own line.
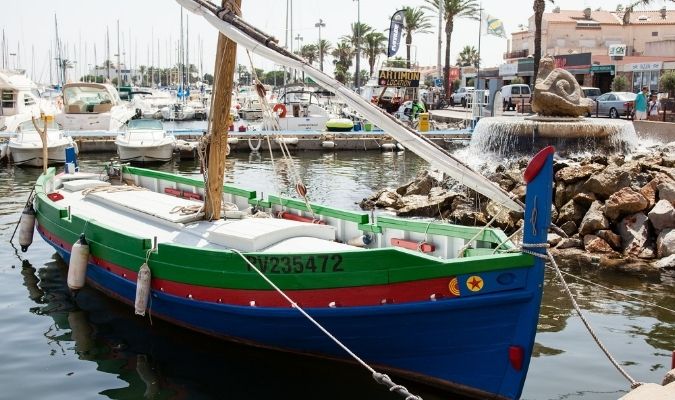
<point>617,212</point>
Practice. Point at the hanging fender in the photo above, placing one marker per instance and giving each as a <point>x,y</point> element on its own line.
<point>280,110</point>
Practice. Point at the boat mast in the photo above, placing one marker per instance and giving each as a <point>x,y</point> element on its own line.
<point>119,78</point>
<point>226,56</point>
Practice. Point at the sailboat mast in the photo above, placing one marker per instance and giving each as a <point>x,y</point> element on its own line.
<point>226,56</point>
<point>119,77</point>
<point>187,48</point>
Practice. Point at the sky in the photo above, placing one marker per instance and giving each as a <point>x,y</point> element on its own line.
<point>28,26</point>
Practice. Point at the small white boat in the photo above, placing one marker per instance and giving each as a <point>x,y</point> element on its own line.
<point>145,140</point>
<point>178,112</point>
<point>26,147</point>
<point>299,110</point>
<point>251,109</point>
<point>93,106</point>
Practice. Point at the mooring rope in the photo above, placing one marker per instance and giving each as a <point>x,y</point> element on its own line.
<point>378,376</point>
<point>548,256</point>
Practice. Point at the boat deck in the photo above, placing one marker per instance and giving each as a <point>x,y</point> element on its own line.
<point>176,220</point>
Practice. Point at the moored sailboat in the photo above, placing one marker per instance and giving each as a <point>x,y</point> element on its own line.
<point>448,305</point>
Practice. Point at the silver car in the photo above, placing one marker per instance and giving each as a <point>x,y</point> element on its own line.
<point>615,104</point>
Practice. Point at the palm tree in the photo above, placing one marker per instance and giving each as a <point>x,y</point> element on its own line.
<point>452,9</point>
<point>414,21</point>
<point>343,53</point>
<point>359,30</point>
<point>309,52</point>
<point>375,43</point>
<point>539,6</point>
<point>323,48</point>
<point>468,56</point>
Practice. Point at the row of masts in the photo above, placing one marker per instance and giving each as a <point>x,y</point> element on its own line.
<point>64,57</point>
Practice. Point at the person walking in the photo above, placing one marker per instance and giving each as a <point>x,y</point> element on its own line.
<point>653,108</point>
<point>641,104</point>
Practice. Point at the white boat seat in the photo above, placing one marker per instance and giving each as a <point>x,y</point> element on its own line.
<point>256,234</point>
<point>147,203</point>
<point>81,184</point>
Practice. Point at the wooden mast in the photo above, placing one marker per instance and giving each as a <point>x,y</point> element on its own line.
<point>219,119</point>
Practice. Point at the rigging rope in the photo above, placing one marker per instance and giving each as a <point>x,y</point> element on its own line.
<point>548,256</point>
<point>379,377</point>
<point>271,124</point>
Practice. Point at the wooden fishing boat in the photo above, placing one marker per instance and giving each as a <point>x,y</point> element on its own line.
<point>448,305</point>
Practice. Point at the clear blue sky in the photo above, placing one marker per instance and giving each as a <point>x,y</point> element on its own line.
<point>29,26</point>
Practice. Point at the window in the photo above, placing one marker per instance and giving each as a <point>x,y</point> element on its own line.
<point>611,97</point>
<point>8,99</point>
<point>28,101</point>
<point>655,34</point>
<point>526,90</point>
<point>646,78</point>
<point>515,90</point>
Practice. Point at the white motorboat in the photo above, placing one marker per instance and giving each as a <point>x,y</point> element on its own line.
<point>251,109</point>
<point>145,140</point>
<point>151,104</point>
<point>19,100</point>
<point>26,147</point>
<point>93,106</point>
<point>178,112</point>
<point>300,111</point>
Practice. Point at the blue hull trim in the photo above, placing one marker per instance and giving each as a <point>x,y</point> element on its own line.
<point>460,343</point>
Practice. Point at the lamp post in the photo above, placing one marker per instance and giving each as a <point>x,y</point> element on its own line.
<point>358,45</point>
<point>320,25</point>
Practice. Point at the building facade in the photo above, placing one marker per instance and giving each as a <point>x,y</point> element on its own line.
<point>581,42</point>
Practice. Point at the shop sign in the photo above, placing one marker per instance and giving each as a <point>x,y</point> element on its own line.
<point>573,61</point>
<point>602,69</point>
<point>650,66</point>
<point>508,69</point>
<point>403,78</point>
<point>617,50</point>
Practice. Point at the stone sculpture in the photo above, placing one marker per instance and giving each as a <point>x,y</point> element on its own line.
<point>557,93</point>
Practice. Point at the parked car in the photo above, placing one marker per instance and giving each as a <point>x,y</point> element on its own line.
<point>591,92</point>
<point>514,94</point>
<point>615,104</point>
<point>461,95</point>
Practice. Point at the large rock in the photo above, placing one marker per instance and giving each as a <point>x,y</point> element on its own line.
<point>569,227</point>
<point>570,243</point>
<point>610,237</point>
<point>501,214</point>
<point>634,231</point>
<point>662,216</point>
<point>577,172</point>
<point>594,220</point>
<point>667,191</point>
<point>422,184</point>
<point>625,201</point>
<point>666,262</point>
<point>571,211</point>
<point>433,205</point>
<point>649,191</point>
<point>564,193</point>
<point>665,243</point>
<point>388,199</point>
<point>585,199</point>
<point>594,244</point>
<point>608,181</point>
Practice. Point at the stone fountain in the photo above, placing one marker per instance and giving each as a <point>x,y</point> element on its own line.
<point>560,120</point>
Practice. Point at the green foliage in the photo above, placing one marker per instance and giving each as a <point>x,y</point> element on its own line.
<point>468,57</point>
<point>517,80</point>
<point>620,83</point>
<point>455,84</point>
<point>396,62</point>
<point>470,82</point>
<point>668,82</point>
<point>374,44</point>
<point>310,52</point>
<point>208,78</point>
<point>342,54</point>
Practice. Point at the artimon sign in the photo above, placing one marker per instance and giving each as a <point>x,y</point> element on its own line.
<point>398,78</point>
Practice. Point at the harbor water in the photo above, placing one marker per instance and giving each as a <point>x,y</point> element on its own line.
<point>55,346</point>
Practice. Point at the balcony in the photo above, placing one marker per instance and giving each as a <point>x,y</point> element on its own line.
<point>516,54</point>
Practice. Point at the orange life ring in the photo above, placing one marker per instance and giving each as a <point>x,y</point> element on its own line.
<point>278,107</point>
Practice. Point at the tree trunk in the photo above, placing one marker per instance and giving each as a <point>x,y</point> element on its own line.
<point>539,6</point>
<point>449,25</point>
<point>371,63</point>
<point>226,55</point>
<point>408,43</point>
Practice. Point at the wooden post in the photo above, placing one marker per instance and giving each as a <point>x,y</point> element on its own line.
<point>43,137</point>
<point>226,55</point>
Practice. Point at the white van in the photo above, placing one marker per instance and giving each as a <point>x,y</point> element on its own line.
<point>514,94</point>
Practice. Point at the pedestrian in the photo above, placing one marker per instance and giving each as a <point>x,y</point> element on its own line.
<point>653,109</point>
<point>641,104</point>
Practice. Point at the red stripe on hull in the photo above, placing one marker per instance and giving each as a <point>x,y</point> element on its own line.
<point>341,297</point>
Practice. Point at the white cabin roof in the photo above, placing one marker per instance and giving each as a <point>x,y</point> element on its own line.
<point>15,80</point>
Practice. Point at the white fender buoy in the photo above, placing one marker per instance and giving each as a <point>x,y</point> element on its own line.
<point>257,146</point>
<point>77,267</point>
<point>26,227</point>
<point>142,289</point>
<point>328,144</point>
<point>400,147</point>
<point>232,140</point>
<point>360,241</point>
<point>388,146</point>
<point>287,140</point>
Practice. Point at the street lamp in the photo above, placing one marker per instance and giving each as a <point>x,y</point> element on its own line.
<point>320,25</point>
<point>358,45</point>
